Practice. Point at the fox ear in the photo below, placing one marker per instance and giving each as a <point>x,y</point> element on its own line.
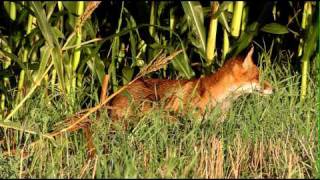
<point>248,62</point>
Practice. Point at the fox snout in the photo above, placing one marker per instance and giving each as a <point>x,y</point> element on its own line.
<point>265,89</point>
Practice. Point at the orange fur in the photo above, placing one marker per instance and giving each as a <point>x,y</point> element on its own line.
<point>237,76</point>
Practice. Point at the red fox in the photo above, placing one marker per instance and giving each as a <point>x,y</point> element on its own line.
<point>236,77</point>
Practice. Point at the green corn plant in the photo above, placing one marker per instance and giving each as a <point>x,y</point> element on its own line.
<point>307,12</point>
<point>152,18</point>
<point>211,42</point>
<point>172,25</point>
<point>172,22</point>
<point>253,29</point>
<point>4,82</point>
<point>114,53</point>
<point>25,59</point>
<point>308,49</point>
<point>54,71</point>
<point>226,43</point>
<point>77,51</point>
<point>244,18</point>
<point>236,19</point>
<point>12,10</point>
<point>134,37</point>
<point>194,13</point>
<point>52,40</point>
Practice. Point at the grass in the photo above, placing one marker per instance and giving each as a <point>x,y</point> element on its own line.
<point>271,136</point>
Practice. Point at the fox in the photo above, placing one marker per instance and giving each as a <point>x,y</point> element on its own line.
<point>238,76</point>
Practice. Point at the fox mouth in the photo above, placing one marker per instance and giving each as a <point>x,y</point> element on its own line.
<point>266,92</point>
<point>263,90</point>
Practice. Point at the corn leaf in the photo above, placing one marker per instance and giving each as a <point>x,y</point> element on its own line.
<point>127,74</point>
<point>45,55</point>
<point>223,7</point>
<point>44,26</point>
<point>275,28</point>
<point>193,11</point>
<point>180,62</point>
<point>51,39</point>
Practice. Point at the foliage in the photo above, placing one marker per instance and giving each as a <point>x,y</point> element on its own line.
<point>56,54</point>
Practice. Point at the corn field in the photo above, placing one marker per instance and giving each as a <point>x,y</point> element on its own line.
<point>62,60</point>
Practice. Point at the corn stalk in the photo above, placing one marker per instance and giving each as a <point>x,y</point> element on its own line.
<point>236,19</point>
<point>211,42</point>
<point>244,18</point>
<point>54,71</point>
<point>307,12</point>
<point>152,18</point>
<point>306,23</point>
<point>77,51</point>
<point>226,43</point>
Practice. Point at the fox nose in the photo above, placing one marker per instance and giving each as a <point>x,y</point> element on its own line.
<point>267,88</point>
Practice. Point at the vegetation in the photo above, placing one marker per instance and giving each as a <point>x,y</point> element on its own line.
<point>54,58</point>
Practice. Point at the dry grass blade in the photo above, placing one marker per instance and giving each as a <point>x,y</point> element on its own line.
<point>95,167</point>
<point>68,121</point>
<point>104,88</point>
<point>157,63</point>
<point>84,169</point>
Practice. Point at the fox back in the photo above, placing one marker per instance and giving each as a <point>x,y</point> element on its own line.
<point>236,77</point>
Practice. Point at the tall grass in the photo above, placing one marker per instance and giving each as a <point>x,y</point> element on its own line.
<point>262,137</point>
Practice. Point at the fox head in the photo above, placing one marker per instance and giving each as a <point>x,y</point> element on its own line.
<point>245,76</point>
